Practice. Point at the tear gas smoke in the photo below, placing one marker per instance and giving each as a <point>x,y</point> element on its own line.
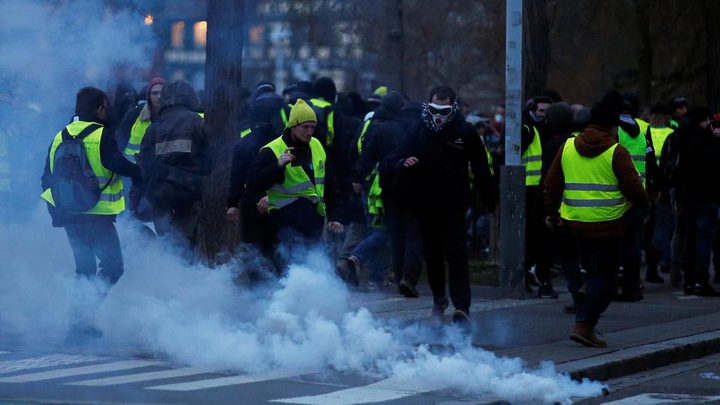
<point>188,313</point>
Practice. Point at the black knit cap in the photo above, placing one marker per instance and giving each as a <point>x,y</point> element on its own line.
<point>606,113</point>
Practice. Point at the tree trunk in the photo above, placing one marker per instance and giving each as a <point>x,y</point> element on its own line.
<point>645,61</point>
<point>223,77</point>
<point>712,38</point>
<point>536,51</point>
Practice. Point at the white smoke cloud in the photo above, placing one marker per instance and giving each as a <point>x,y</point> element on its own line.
<point>191,314</point>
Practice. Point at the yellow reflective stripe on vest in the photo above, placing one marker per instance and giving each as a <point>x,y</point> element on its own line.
<point>137,133</point>
<point>532,159</point>
<point>592,191</point>
<point>296,183</point>
<point>245,132</point>
<point>112,200</point>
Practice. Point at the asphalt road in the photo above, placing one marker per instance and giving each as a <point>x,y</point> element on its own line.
<point>692,382</point>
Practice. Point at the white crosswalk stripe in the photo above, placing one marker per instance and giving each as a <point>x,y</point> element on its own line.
<point>53,360</point>
<point>76,371</point>
<point>230,380</point>
<point>141,377</point>
<point>385,390</point>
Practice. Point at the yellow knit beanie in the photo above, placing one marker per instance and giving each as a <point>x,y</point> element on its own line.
<point>301,113</point>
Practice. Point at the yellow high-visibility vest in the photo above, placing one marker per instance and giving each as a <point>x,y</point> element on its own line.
<point>532,159</point>
<point>112,200</point>
<point>297,184</point>
<point>592,191</point>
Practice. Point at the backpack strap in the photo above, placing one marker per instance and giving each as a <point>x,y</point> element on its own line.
<point>85,132</point>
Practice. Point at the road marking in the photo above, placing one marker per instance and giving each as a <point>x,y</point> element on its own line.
<point>75,371</point>
<point>386,390</point>
<point>140,377</point>
<point>230,380</point>
<point>656,399</point>
<point>53,360</point>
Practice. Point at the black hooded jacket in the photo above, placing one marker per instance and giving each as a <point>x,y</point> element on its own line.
<point>440,180</point>
<point>174,152</point>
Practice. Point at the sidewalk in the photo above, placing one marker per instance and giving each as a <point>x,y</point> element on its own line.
<point>665,327</point>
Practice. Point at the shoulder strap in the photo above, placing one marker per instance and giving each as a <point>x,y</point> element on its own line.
<point>85,132</point>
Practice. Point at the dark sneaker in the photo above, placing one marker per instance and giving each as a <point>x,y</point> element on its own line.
<point>407,290</point>
<point>704,290</point>
<point>629,296</point>
<point>546,291</point>
<point>653,277</point>
<point>585,335</point>
<point>461,318</point>
<point>570,309</point>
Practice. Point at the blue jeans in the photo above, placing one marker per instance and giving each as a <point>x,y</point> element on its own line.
<point>96,239</point>
<point>373,252</point>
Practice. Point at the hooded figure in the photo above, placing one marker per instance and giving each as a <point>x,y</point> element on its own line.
<point>174,156</point>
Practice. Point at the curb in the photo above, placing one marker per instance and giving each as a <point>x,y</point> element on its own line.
<point>642,358</point>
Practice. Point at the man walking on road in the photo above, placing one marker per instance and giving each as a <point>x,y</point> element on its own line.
<point>589,188</point>
<point>435,163</point>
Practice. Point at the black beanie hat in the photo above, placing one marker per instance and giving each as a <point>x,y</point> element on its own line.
<point>606,113</point>
<point>325,88</point>
<point>393,102</point>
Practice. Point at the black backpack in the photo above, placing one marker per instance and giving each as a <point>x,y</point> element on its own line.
<point>74,186</point>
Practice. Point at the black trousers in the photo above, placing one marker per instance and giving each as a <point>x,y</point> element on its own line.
<point>538,238</point>
<point>96,240</point>
<point>600,257</point>
<point>632,244</point>
<point>444,238</point>
<point>256,229</point>
<point>405,242</point>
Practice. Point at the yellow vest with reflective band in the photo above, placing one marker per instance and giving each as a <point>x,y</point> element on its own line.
<point>361,139</point>
<point>659,136</point>
<point>674,124</point>
<point>245,132</point>
<point>532,159</point>
<point>112,201</point>
<point>329,120</point>
<point>638,150</point>
<point>137,133</point>
<point>592,192</point>
<point>284,117</point>
<point>297,184</point>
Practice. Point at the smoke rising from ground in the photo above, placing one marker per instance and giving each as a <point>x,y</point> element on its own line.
<point>162,305</point>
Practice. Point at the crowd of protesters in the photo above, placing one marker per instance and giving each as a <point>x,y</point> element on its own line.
<point>391,187</point>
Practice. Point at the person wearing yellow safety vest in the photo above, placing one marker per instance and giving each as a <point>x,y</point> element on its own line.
<point>136,121</point>
<point>657,253</point>
<point>293,168</point>
<point>174,157</point>
<point>588,189</point>
<point>633,134</point>
<point>91,233</point>
<point>537,255</point>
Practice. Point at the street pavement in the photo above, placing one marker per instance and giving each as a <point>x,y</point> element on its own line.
<point>664,328</point>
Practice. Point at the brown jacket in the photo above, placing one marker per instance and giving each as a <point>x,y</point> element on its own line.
<point>593,142</point>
